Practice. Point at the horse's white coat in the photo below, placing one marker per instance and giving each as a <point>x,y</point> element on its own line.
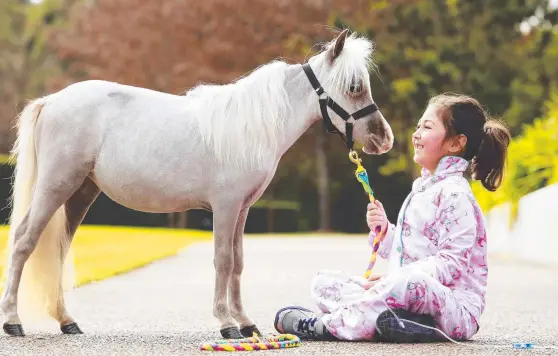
<point>217,147</point>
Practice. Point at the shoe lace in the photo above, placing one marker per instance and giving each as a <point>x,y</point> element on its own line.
<point>305,324</point>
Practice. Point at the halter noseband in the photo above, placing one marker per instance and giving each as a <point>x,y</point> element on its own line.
<point>326,101</point>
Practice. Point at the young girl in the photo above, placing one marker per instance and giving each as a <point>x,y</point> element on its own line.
<point>437,250</point>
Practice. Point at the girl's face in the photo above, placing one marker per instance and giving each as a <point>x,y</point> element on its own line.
<point>429,140</point>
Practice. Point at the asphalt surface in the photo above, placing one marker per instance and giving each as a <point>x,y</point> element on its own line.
<point>166,307</point>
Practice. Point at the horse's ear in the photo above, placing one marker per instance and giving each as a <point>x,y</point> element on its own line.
<point>339,43</point>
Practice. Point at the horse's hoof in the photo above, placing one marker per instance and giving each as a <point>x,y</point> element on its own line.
<point>231,333</point>
<point>249,331</point>
<point>71,329</point>
<point>13,329</point>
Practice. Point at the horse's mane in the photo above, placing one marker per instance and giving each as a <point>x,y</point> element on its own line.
<point>354,62</point>
<point>244,121</point>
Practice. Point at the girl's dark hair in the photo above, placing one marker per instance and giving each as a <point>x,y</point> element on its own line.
<point>487,139</point>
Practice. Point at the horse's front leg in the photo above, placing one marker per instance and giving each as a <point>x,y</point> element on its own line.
<point>225,217</point>
<point>247,326</point>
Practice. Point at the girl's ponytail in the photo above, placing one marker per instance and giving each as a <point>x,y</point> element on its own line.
<point>487,139</point>
<point>489,162</point>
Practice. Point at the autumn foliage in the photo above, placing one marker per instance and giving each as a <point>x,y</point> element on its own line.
<point>172,45</point>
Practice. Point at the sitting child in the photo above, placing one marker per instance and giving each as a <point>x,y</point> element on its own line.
<point>436,252</point>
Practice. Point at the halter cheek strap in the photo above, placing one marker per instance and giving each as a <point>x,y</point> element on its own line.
<point>325,102</point>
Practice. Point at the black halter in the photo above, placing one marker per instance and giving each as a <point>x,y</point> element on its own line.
<point>326,101</point>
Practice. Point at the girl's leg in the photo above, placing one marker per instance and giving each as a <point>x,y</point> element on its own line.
<point>354,316</point>
<point>333,289</point>
<point>430,303</point>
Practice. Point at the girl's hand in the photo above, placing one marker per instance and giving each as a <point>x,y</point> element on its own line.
<point>376,216</point>
<point>372,280</point>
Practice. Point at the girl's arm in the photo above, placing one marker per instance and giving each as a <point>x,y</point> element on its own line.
<point>457,226</point>
<point>387,241</point>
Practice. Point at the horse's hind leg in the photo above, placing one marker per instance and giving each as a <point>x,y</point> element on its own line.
<point>247,326</point>
<point>76,208</point>
<point>43,231</point>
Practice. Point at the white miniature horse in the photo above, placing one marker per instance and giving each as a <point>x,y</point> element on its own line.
<point>215,148</point>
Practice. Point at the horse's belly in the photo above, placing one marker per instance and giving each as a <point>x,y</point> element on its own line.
<point>154,193</point>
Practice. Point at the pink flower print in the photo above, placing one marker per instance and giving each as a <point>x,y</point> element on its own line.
<point>416,291</point>
<point>331,293</point>
<point>452,161</point>
<point>456,274</point>
<point>445,257</point>
<point>481,240</point>
<point>456,333</point>
<point>392,302</point>
<point>406,228</point>
<point>437,304</point>
<point>437,200</point>
<point>406,256</point>
<point>484,268</point>
<point>447,246</point>
<point>368,332</point>
<point>467,253</point>
<point>430,232</point>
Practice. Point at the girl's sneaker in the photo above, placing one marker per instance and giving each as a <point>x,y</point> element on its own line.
<point>392,330</point>
<point>301,322</point>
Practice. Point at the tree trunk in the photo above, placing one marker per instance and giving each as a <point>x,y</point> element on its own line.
<point>270,211</point>
<point>321,165</point>
<point>170,220</point>
<point>322,180</point>
<point>183,219</point>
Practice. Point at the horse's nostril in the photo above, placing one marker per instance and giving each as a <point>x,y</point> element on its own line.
<point>376,127</point>
<point>386,146</point>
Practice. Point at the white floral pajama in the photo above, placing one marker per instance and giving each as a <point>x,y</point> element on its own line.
<point>437,263</point>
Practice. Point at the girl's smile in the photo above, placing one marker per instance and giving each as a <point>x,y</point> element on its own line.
<point>428,139</point>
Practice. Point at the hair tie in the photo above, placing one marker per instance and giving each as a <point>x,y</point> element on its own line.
<point>482,138</point>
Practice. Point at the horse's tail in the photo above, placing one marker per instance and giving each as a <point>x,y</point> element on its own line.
<point>41,283</point>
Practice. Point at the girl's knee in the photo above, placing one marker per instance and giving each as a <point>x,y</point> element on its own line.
<point>417,275</point>
<point>412,276</point>
<point>320,281</point>
<point>462,328</point>
<point>327,278</point>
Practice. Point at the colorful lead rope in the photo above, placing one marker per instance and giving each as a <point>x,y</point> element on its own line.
<point>362,177</point>
<point>254,343</point>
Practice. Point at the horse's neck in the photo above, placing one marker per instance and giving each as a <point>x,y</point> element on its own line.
<point>304,106</point>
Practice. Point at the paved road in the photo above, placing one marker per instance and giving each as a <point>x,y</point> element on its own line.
<point>166,308</point>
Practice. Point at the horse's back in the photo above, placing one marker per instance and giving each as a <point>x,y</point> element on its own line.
<point>110,92</point>
<point>97,103</point>
<point>83,114</point>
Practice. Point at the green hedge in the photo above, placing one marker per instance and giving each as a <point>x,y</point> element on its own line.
<point>532,162</point>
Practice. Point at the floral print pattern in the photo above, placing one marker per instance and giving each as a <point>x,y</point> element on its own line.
<point>437,262</point>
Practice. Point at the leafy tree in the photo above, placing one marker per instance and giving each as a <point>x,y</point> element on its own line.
<point>171,46</point>
<point>25,61</point>
<point>476,47</point>
<point>532,162</point>
<point>473,47</point>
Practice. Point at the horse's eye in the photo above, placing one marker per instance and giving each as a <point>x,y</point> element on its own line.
<point>355,88</point>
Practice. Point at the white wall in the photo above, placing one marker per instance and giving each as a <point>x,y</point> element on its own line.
<point>534,235</point>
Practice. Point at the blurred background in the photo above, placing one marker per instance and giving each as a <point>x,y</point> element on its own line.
<point>502,52</point>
